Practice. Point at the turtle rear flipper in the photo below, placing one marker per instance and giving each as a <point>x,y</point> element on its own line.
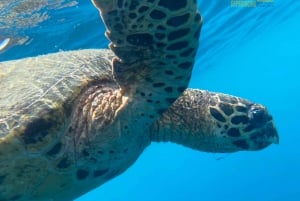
<point>155,43</point>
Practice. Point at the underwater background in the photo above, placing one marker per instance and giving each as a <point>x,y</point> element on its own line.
<point>247,48</point>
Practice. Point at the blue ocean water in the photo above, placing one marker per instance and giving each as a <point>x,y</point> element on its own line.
<point>251,52</point>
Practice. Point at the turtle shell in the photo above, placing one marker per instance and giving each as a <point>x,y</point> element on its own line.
<point>37,96</point>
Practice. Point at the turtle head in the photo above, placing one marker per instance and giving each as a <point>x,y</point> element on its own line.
<point>253,125</point>
<point>216,122</point>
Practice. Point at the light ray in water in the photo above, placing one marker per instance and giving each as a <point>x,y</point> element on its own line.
<point>4,43</point>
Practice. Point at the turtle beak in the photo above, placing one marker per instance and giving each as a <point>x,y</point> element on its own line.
<point>266,132</point>
<point>275,136</point>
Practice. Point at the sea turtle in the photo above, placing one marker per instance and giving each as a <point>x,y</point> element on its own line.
<point>71,121</point>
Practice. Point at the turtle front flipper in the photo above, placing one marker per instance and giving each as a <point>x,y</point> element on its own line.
<point>155,43</point>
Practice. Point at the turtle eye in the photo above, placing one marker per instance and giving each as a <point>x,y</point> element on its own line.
<point>258,115</point>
